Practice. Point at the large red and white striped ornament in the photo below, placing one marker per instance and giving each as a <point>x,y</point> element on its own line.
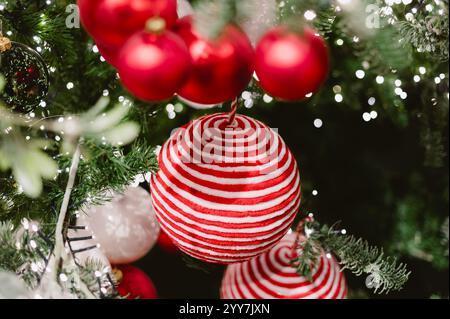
<point>271,276</point>
<point>228,188</point>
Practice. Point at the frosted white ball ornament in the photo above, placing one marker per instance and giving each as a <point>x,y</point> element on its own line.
<point>85,250</point>
<point>125,227</point>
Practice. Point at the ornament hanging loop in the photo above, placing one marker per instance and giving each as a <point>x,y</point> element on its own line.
<point>232,114</point>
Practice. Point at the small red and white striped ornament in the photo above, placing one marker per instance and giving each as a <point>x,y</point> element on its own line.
<point>271,276</point>
<point>228,188</point>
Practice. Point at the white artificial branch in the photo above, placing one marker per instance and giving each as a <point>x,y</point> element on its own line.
<point>59,253</point>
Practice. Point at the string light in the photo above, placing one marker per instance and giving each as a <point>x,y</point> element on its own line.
<point>179,107</point>
<point>373,115</point>
<point>170,108</point>
<point>379,79</point>
<point>360,74</point>
<point>34,267</point>
<point>249,103</point>
<point>338,98</point>
<point>267,98</point>
<point>310,15</point>
<point>318,123</point>
<point>248,99</point>
<point>246,95</point>
<point>63,277</point>
<point>33,244</point>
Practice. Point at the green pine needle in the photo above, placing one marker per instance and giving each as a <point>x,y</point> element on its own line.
<point>354,254</point>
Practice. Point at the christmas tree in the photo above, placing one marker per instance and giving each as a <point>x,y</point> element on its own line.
<point>311,159</point>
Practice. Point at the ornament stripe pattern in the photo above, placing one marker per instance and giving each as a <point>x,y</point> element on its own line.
<point>226,192</point>
<point>270,276</point>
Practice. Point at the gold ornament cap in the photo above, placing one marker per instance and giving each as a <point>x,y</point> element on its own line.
<point>155,25</point>
<point>118,275</point>
<point>5,44</point>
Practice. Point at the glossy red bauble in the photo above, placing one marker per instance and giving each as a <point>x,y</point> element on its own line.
<point>222,67</point>
<point>87,9</point>
<point>112,22</point>
<point>291,65</point>
<point>135,284</point>
<point>154,66</point>
<point>110,55</point>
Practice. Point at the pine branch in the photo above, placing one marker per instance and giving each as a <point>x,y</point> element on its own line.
<point>326,22</point>
<point>428,35</point>
<point>354,254</point>
<point>99,279</point>
<point>103,167</point>
<point>24,250</point>
<point>419,230</point>
<point>306,260</point>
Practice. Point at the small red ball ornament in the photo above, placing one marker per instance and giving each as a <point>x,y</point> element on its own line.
<point>134,283</point>
<point>153,66</point>
<point>271,276</point>
<point>166,243</point>
<point>112,22</point>
<point>87,10</point>
<point>291,65</point>
<point>222,67</point>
